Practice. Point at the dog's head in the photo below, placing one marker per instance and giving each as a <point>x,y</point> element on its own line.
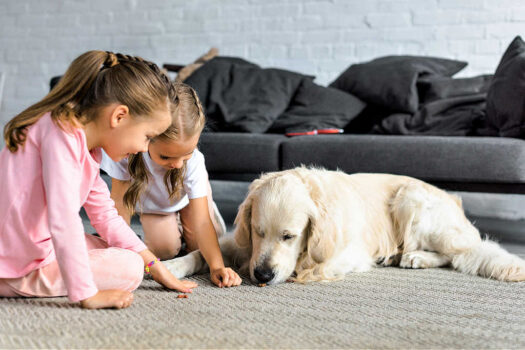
<point>279,223</point>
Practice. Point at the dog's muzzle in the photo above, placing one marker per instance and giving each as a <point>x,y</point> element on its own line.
<point>263,274</point>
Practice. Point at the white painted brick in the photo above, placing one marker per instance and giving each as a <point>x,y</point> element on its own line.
<point>499,4</point>
<point>130,41</point>
<point>484,63</point>
<point>320,37</point>
<point>432,18</point>
<point>32,20</point>
<point>344,21</point>
<point>14,7</point>
<point>382,20</point>
<point>26,88</point>
<point>298,52</point>
<point>321,52</point>
<point>280,10</point>
<point>195,12</point>
<point>75,6</point>
<point>421,34</point>
<point>263,51</point>
<point>505,30</point>
<point>118,5</point>
<point>396,6</point>
<point>39,38</point>
<point>236,11</point>
<point>220,25</point>
<point>206,39</point>
<point>460,4</point>
<point>287,38</point>
<point>518,15</point>
<point>460,32</point>
<point>461,47</point>
<point>37,6</point>
<point>488,46</point>
<point>482,17</point>
<point>234,50</point>
<point>145,28</point>
<point>343,51</point>
<point>175,26</point>
<point>165,15</point>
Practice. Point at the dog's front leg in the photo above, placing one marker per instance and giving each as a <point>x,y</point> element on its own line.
<point>187,265</point>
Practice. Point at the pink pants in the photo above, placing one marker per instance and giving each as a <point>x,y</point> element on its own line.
<point>112,268</point>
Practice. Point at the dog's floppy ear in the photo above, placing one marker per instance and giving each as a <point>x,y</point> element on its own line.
<point>243,224</point>
<point>243,220</point>
<point>321,232</point>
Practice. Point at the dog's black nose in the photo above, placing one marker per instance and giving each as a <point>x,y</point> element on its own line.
<point>263,274</point>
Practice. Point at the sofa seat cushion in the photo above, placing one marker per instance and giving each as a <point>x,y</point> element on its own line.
<point>241,153</point>
<point>430,158</point>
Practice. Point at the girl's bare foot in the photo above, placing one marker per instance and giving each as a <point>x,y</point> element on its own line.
<point>112,298</point>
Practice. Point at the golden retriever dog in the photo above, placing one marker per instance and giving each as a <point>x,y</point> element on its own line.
<point>317,225</point>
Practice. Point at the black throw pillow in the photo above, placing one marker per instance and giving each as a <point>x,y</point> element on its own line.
<point>438,88</point>
<point>240,96</point>
<point>316,107</point>
<point>506,95</point>
<point>391,81</point>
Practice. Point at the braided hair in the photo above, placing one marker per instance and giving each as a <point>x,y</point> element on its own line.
<point>188,120</point>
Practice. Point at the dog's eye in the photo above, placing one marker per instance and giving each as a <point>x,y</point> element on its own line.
<point>287,237</point>
<point>260,233</point>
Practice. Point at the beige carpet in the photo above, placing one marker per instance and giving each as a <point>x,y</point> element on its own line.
<point>384,308</point>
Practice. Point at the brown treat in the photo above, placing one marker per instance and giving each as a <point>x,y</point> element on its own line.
<point>182,296</point>
<point>262,285</point>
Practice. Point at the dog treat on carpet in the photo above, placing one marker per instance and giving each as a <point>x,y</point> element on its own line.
<point>261,285</point>
<point>182,296</point>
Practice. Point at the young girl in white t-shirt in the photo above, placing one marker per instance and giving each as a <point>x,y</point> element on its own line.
<point>170,182</point>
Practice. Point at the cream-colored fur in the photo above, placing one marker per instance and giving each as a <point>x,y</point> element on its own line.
<point>318,225</point>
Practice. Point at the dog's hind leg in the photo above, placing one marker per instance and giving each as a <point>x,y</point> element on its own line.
<point>421,259</point>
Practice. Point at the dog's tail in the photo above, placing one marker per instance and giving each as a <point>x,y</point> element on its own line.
<point>488,259</point>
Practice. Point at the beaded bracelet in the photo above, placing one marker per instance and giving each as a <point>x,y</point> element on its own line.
<point>150,264</point>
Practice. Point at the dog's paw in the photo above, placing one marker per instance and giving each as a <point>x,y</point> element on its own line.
<point>178,267</point>
<point>413,260</point>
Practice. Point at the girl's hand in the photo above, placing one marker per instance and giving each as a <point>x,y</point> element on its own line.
<point>162,275</point>
<point>225,277</point>
<point>111,298</point>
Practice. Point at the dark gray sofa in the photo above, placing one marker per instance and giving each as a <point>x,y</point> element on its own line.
<point>479,164</point>
<point>473,164</point>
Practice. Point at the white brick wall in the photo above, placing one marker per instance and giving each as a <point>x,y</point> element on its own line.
<point>38,38</point>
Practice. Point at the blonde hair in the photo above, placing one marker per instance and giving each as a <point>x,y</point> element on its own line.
<point>188,120</point>
<point>93,80</point>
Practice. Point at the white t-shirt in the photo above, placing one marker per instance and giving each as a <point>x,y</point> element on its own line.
<point>155,199</point>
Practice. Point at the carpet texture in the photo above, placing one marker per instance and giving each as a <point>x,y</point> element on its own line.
<point>384,308</point>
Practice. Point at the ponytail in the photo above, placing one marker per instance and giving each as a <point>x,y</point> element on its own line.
<point>93,80</point>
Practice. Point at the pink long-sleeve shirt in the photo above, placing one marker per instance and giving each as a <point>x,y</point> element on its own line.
<point>42,188</point>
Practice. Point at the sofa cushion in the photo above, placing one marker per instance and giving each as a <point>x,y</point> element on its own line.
<point>239,153</point>
<point>431,158</point>
<point>506,95</point>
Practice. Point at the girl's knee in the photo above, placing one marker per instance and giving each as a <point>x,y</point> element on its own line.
<point>165,250</point>
<point>116,268</point>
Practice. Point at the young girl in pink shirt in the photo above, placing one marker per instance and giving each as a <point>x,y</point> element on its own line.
<point>50,169</point>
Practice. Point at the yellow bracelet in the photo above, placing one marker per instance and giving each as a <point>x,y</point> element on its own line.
<point>150,264</point>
